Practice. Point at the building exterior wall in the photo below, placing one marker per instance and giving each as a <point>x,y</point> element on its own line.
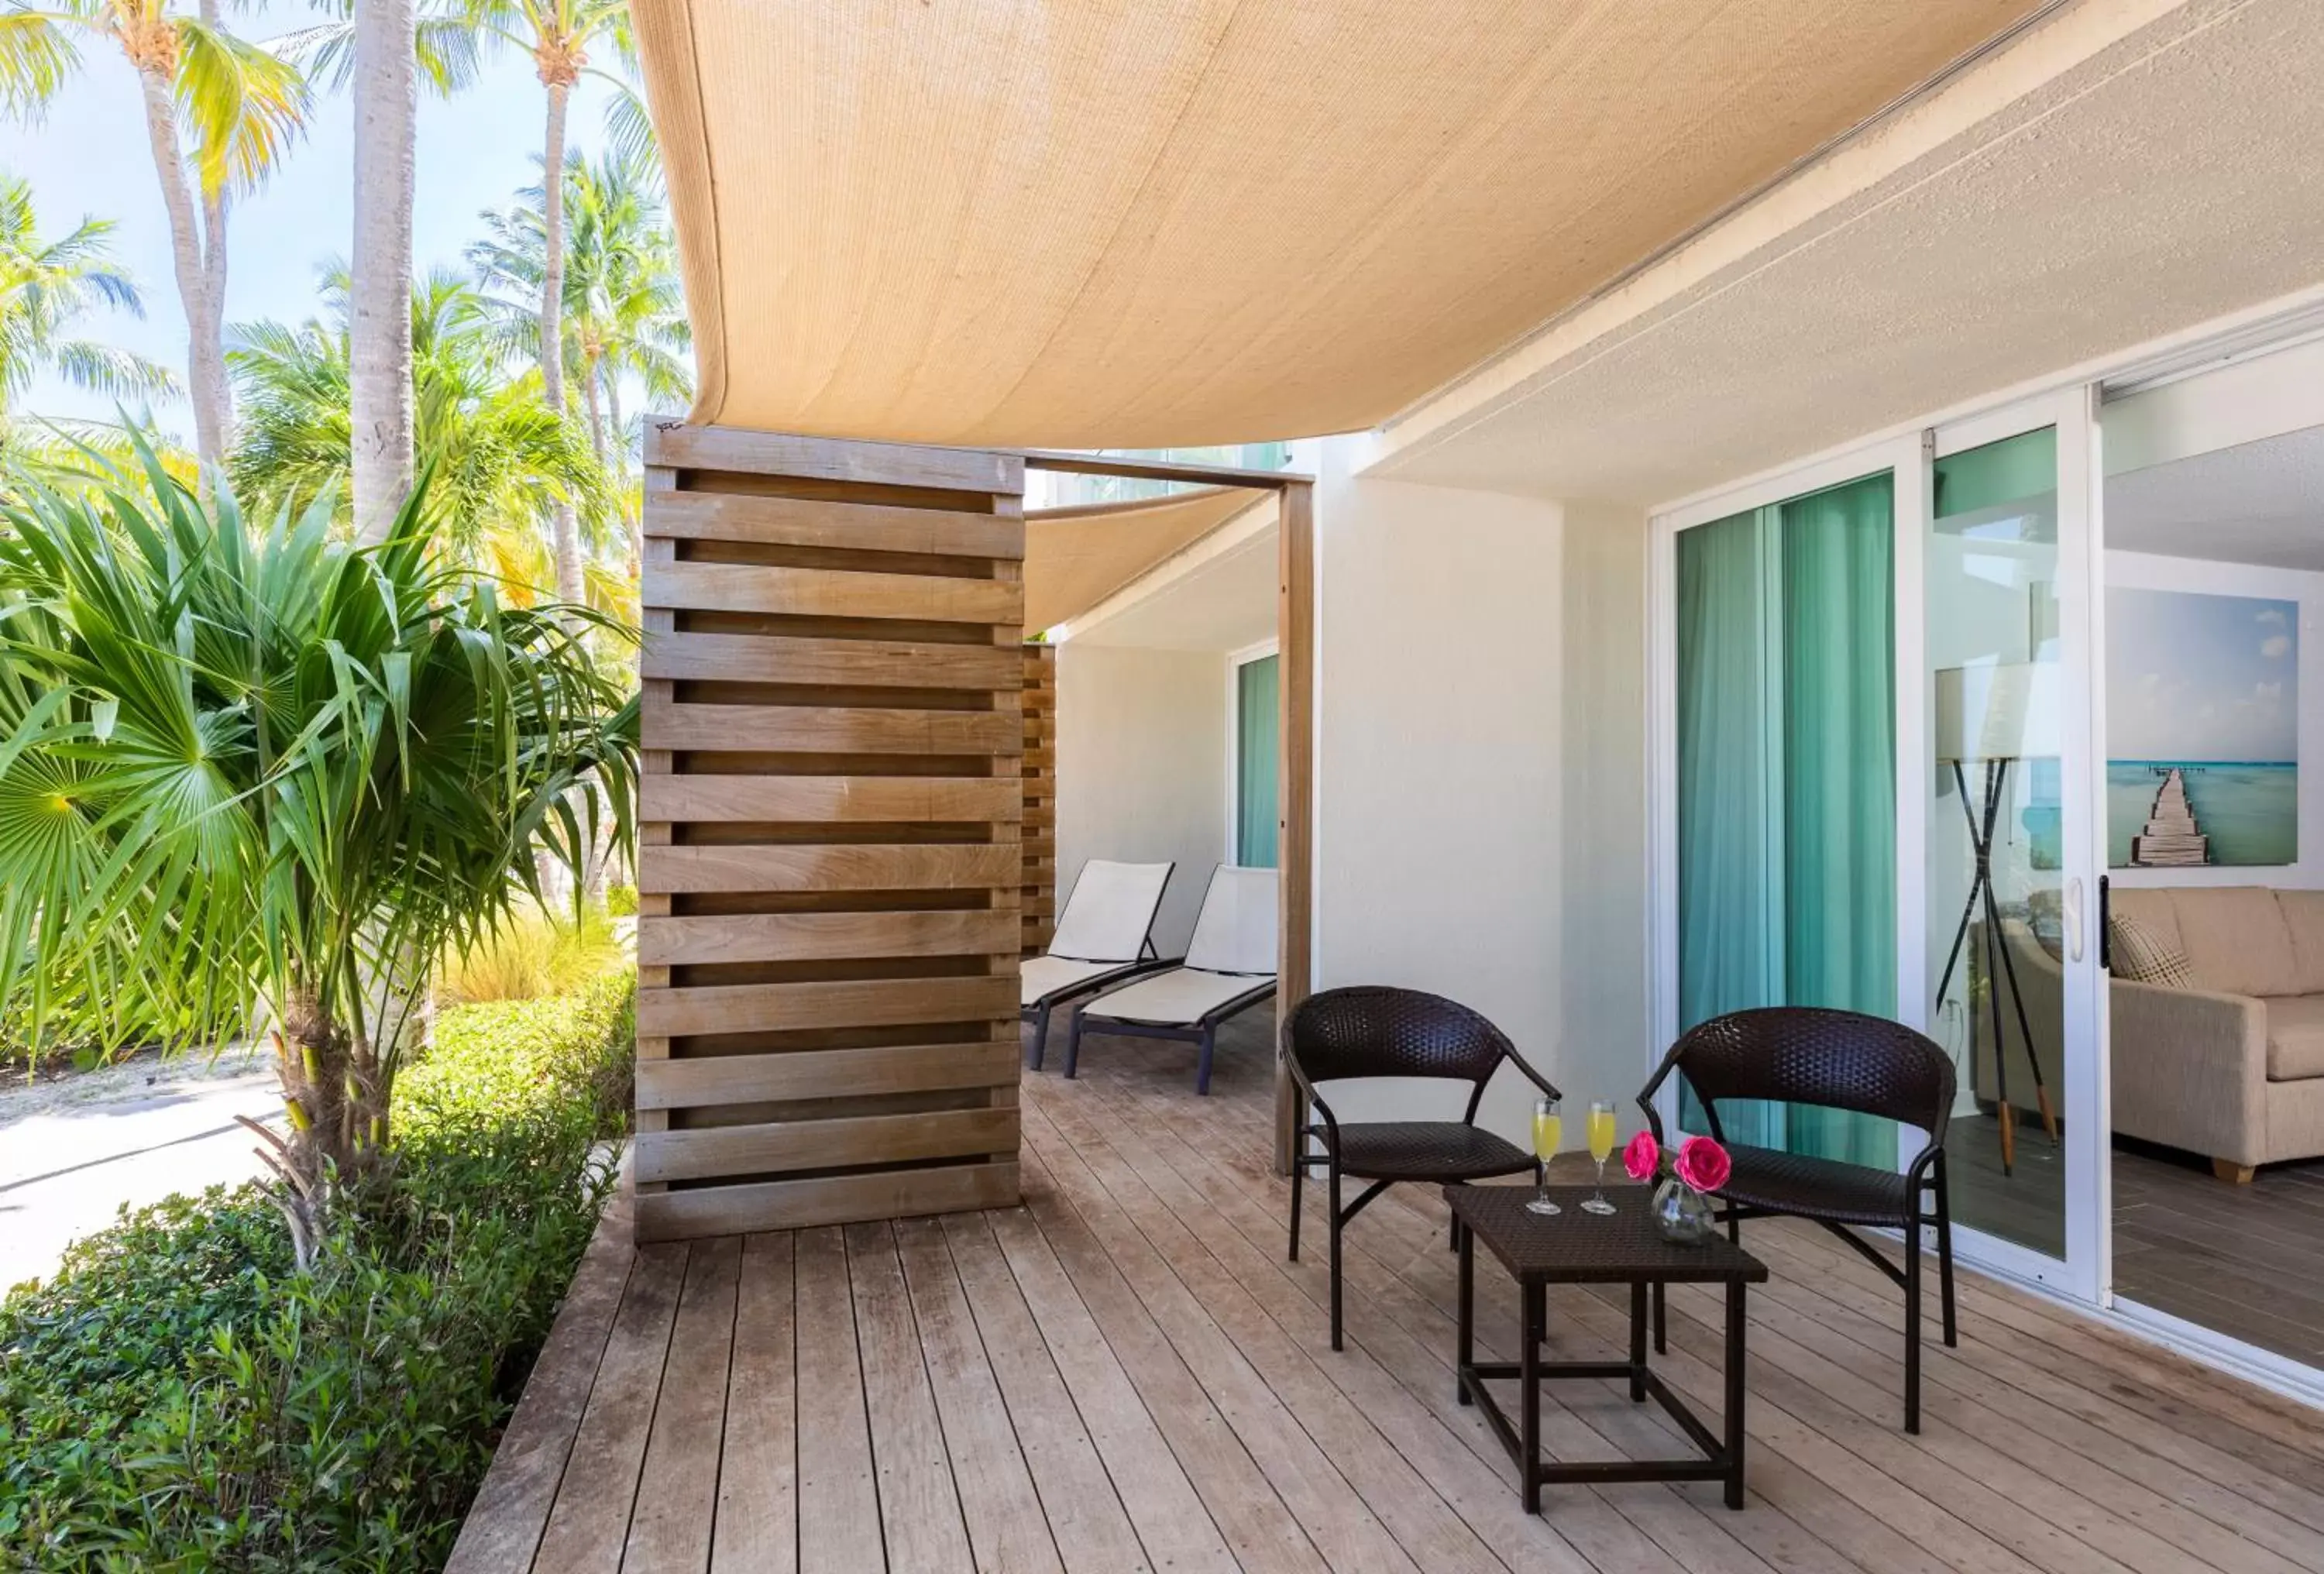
<point>1141,764</point>
<point>1480,768</point>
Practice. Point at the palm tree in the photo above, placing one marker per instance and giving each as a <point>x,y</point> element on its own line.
<point>558,35</point>
<point>500,459</point>
<point>625,306</point>
<point>387,49</point>
<point>243,105</point>
<point>272,776</point>
<point>44,286</point>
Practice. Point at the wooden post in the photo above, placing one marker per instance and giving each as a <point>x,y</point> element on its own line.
<point>829,875</point>
<point>1294,794</point>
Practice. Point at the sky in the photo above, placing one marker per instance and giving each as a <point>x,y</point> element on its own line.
<point>2193,676</point>
<point>89,155</point>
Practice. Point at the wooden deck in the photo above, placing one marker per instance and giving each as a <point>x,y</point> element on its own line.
<point>1124,1374</point>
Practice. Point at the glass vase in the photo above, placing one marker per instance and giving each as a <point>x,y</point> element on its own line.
<point>1682,1214</point>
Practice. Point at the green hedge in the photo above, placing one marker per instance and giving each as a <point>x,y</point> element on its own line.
<point>181,1397</point>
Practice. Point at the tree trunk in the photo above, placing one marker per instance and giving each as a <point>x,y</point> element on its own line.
<point>619,439</point>
<point>206,381</point>
<point>386,111</point>
<point>596,413</point>
<point>567,534</point>
<point>333,1083</point>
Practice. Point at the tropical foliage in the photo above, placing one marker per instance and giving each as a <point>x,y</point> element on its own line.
<point>243,105</point>
<point>624,312</point>
<point>500,459</point>
<point>45,285</point>
<point>182,1396</point>
<point>260,775</point>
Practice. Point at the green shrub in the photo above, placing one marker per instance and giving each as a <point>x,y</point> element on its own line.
<point>622,901</point>
<point>182,1397</point>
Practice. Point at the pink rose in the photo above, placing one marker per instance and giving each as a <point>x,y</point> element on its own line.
<point>1703,1163</point>
<point>1643,1156</point>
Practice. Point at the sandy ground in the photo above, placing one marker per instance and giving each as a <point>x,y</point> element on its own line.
<point>75,1149</point>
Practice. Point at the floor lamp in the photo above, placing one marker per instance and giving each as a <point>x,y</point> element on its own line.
<point>1995,716</point>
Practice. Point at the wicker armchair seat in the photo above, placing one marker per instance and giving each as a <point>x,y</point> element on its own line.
<point>1825,1189</point>
<point>1371,1030</point>
<point>1426,1150</point>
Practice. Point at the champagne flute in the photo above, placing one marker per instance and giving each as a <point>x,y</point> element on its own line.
<point>1602,1148</point>
<point>1548,1129</point>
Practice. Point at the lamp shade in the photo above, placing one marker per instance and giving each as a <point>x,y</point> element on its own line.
<point>2004,710</point>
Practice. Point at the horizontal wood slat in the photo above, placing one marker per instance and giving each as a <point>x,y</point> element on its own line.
<point>850,663</point>
<point>827,1199</point>
<point>827,729</point>
<point>712,1080</point>
<point>843,1003</point>
<point>872,868</point>
<point>831,592</point>
<point>824,620</point>
<point>831,799</point>
<point>804,521</point>
<point>823,937</point>
<point>683,446</point>
<point>823,1145</point>
<point>1038,705</point>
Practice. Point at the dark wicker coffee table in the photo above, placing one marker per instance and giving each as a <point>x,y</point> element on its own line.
<point>1574,1248</point>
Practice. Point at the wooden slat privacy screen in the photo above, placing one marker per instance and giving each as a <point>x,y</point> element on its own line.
<point>830,875</point>
<point>1039,897</point>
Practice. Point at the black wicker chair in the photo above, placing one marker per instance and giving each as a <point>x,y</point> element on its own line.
<point>1369,1031</point>
<point>1839,1060</point>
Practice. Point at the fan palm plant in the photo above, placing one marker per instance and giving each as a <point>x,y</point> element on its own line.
<point>272,776</point>
<point>500,459</point>
<point>243,105</point>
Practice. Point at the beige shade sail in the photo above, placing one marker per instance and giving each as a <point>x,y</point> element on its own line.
<point>1094,223</point>
<point>1075,557</point>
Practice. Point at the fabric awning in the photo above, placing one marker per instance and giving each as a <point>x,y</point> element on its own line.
<point>1070,222</point>
<point>1075,557</point>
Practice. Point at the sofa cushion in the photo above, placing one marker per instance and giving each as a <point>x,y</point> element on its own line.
<point>2295,1037</point>
<point>2236,940</point>
<point>2303,914</point>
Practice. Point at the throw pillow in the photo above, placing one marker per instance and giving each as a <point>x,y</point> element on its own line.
<point>2141,957</point>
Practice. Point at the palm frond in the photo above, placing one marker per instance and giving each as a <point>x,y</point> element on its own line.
<point>244,104</point>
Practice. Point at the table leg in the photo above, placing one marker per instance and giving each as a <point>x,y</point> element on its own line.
<point>1734,1382</point>
<point>1529,1396</point>
<point>1465,1346</point>
<point>1639,1342</point>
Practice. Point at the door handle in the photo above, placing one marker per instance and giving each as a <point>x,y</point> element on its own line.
<point>2072,914</point>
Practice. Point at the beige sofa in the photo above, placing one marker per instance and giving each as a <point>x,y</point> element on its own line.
<point>2232,1068</point>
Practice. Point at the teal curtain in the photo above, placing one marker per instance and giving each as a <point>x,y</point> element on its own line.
<point>1255,758</point>
<point>1786,781</point>
<point>1840,804</point>
<point>1730,920</point>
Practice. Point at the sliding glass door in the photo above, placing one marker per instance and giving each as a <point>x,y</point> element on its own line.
<point>1255,819</point>
<point>1874,715</point>
<point>2011,873</point>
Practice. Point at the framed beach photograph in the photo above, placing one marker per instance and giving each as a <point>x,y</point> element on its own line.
<point>2202,730</point>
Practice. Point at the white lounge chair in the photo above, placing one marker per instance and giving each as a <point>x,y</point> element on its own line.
<point>1103,936</point>
<point>1230,968</point>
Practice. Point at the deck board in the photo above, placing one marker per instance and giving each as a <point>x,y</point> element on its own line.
<point>1125,1374</point>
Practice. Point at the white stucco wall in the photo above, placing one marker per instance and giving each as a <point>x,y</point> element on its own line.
<point>1141,768</point>
<point>1480,774</point>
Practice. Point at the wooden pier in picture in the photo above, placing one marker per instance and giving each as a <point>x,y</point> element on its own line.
<point>2172,839</point>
